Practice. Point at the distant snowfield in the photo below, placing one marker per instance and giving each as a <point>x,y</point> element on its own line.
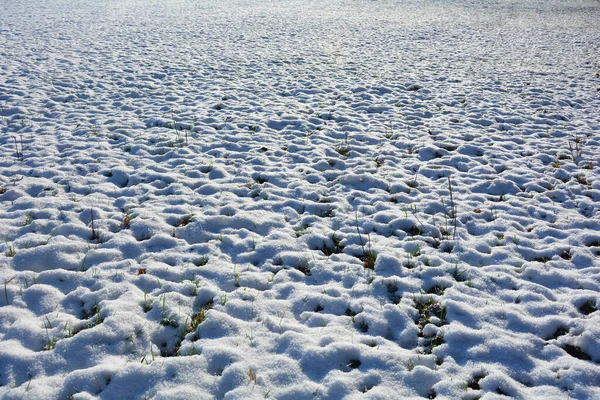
<point>299,199</point>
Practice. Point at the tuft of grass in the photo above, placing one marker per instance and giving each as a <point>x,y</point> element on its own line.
<point>95,235</point>
<point>369,256</point>
<point>10,252</point>
<point>199,317</point>
<point>452,208</point>
<point>343,151</point>
<point>167,319</point>
<point>304,267</point>
<point>582,180</point>
<point>458,274</point>
<point>301,230</point>
<point>95,130</point>
<point>411,257</point>
<point>575,144</point>
<point>236,276</point>
<point>19,148</point>
<point>185,220</point>
<point>202,261</point>
<point>427,309</point>
<point>68,331</point>
<point>250,336</point>
<point>6,288</point>
<point>147,303</point>
<point>252,376</point>
<point>96,312</point>
<point>336,247</point>
<point>589,165</point>
<point>50,342</point>
<point>28,218</point>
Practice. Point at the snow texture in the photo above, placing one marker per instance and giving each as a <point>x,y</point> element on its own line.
<point>299,199</point>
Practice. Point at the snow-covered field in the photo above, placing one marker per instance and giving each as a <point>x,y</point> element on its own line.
<point>299,199</point>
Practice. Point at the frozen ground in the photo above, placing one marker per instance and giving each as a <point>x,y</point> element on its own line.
<point>248,199</point>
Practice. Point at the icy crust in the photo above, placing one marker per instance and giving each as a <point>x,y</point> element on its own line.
<point>297,200</point>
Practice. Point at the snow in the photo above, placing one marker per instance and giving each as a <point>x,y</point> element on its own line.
<point>299,199</point>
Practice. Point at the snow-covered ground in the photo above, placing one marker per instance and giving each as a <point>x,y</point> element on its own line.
<point>299,199</point>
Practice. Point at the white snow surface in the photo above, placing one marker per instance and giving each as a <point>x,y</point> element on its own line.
<point>299,199</point>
